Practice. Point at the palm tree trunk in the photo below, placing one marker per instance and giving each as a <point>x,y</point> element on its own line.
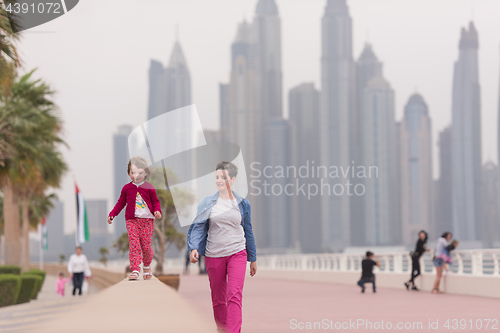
<point>26,230</point>
<point>11,228</point>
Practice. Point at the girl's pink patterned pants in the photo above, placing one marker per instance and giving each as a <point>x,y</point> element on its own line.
<point>140,232</point>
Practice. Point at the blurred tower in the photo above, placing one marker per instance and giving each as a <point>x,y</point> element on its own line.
<point>490,231</point>
<point>177,80</point>
<point>99,237</point>
<point>416,169</point>
<point>380,152</point>
<point>239,125</point>
<point>156,101</point>
<point>268,103</point>
<point>367,67</point>
<point>55,234</point>
<point>337,102</point>
<point>277,227</point>
<point>498,121</point>
<point>304,114</point>
<point>267,24</point>
<point>178,93</point>
<point>120,162</point>
<point>444,211</point>
<point>466,139</point>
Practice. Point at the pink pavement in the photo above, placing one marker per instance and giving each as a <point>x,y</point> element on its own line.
<point>271,305</point>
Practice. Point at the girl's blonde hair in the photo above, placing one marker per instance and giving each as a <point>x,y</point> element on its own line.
<point>141,163</point>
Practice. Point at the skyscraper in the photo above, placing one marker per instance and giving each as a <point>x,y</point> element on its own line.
<point>277,201</point>
<point>443,209</point>
<point>498,120</point>
<point>267,25</point>
<point>490,228</point>
<point>367,67</point>
<point>156,100</point>
<point>337,102</point>
<point>268,98</point>
<point>379,156</point>
<point>239,125</point>
<point>177,80</point>
<point>416,169</point>
<point>99,237</point>
<point>120,162</point>
<point>304,106</point>
<point>466,139</point>
<point>55,233</point>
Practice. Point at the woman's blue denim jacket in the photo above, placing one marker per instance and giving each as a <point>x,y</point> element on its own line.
<point>198,232</point>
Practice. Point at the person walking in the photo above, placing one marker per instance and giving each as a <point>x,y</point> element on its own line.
<point>78,268</point>
<point>222,232</point>
<point>438,262</point>
<point>142,207</point>
<point>420,248</point>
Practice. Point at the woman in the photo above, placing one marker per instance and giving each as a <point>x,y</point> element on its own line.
<point>78,268</point>
<point>442,242</point>
<point>222,232</point>
<point>415,259</point>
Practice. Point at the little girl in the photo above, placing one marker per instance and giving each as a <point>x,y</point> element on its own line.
<point>61,284</point>
<point>140,198</point>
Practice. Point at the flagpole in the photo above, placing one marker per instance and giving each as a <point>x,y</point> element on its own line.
<point>41,248</point>
<point>77,217</point>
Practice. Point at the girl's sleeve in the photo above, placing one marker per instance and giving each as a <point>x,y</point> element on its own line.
<point>122,201</point>
<point>155,201</point>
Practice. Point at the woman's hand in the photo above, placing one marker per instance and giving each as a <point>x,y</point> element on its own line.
<point>158,215</point>
<point>253,268</point>
<point>110,219</point>
<point>194,256</point>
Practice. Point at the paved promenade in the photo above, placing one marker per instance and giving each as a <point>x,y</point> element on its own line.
<point>271,305</point>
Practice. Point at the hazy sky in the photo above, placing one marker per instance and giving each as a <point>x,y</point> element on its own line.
<point>97,57</point>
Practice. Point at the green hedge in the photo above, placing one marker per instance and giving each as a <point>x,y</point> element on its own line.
<point>40,273</point>
<point>38,285</point>
<point>29,287</point>
<point>10,269</point>
<point>10,286</point>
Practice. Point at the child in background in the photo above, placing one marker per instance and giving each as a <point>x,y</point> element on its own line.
<point>140,198</point>
<point>446,254</point>
<point>61,284</point>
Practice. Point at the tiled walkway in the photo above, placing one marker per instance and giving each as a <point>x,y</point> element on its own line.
<point>271,305</point>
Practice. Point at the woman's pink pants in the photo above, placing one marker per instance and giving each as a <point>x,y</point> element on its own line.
<point>227,275</point>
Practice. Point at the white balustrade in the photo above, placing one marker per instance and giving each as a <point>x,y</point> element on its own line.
<point>480,262</point>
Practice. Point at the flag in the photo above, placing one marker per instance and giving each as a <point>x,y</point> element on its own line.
<point>82,225</point>
<point>45,243</point>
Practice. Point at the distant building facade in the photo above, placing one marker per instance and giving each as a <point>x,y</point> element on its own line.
<point>416,169</point>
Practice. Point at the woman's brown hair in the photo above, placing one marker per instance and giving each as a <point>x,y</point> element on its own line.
<point>231,168</point>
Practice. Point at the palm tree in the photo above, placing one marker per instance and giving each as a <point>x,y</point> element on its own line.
<point>47,171</point>
<point>36,164</point>
<point>165,232</point>
<point>9,58</point>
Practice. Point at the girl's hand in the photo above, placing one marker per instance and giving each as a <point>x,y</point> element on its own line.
<point>194,256</point>
<point>110,219</point>
<point>158,215</point>
<point>253,268</point>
